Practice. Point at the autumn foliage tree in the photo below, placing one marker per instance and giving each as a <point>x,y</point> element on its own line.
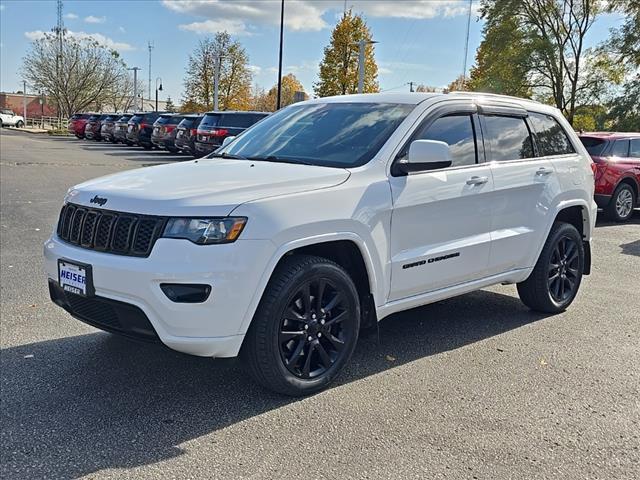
<point>339,67</point>
<point>234,92</point>
<point>266,101</point>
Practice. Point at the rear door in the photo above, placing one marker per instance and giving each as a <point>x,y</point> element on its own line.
<point>634,156</point>
<point>441,220</point>
<point>525,185</point>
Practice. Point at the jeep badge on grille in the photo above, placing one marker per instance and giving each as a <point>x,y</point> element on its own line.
<point>99,200</point>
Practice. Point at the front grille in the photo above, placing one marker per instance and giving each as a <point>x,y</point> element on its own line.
<point>108,231</point>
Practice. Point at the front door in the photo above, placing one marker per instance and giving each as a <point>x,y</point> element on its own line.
<point>440,226</point>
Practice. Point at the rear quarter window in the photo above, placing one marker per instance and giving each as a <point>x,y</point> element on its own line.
<point>620,148</point>
<point>635,148</point>
<point>551,137</point>
<point>595,146</point>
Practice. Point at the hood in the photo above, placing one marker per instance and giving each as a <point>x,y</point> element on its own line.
<point>212,187</point>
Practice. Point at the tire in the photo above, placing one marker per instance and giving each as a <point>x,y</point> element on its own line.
<point>555,279</point>
<point>19,124</point>
<point>622,203</point>
<point>297,347</point>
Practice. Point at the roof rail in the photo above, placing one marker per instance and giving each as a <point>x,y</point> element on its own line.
<point>493,95</point>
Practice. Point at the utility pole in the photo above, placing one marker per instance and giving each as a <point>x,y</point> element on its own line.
<point>24,101</point>
<point>59,37</point>
<point>362,44</point>
<point>466,44</point>
<point>151,47</point>
<point>135,86</point>
<point>216,81</point>
<point>279,98</point>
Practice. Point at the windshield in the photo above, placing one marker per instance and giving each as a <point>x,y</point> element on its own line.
<point>595,146</point>
<point>210,120</point>
<point>327,134</point>
<point>189,122</point>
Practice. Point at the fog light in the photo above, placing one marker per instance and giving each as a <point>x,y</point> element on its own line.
<point>186,292</point>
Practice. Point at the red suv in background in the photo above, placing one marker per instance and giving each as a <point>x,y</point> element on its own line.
<point>617,159</point>
<point>77,123</point>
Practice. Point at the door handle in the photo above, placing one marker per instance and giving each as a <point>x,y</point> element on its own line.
<point>477,180</point>
<point>544,171</point>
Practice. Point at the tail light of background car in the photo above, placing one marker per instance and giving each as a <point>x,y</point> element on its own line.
<point>219,132</point>
<point>193,132</point>
<point>168,128</point>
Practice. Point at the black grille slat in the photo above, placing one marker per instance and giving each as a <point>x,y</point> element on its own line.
<point>89,228</point>
<point>76,225</point>
<point>109,231</point>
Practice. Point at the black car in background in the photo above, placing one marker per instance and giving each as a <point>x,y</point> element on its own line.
<point>186,133</point>
<point>107,126</point>
<point>93,126</point>
<point>216,126</point>
<point>140,127</point>
<point>120,128</point>
<point>164,131</point>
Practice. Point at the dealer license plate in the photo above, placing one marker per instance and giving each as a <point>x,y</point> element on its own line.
<point>74,278</point>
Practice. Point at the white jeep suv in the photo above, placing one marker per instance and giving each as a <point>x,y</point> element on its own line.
<point>10,119</point>
<point>324,218</point>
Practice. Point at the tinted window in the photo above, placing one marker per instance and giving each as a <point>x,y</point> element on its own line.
<point>189,122</point>
<point>620,148</point>
<point>594,146</point>
<point>169,120</point>
<point>210,120</point>
<point>94,117</point>
<point>239,120</point>
<point>509,138</point>
<point>457,132</point>
<point>340,134</point>
<point>552,139</point>
<point>136,118</point>
<point>124,118</point>
<point>635,148</point>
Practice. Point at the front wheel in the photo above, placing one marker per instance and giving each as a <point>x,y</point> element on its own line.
<point>305,328</point>
<point>19,124</point>
<point>555,279</point>
<point>622,203</point>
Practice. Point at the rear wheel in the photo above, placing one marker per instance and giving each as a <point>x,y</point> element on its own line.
<point>554,281</point>
<point>305,328</point>
<point>622,203</point>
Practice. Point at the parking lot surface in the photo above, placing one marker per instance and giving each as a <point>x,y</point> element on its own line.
<point>473,387</point>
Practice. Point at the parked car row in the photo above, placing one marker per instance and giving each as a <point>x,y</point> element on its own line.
<point>191,134</point>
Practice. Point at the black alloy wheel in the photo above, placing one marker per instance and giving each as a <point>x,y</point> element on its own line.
<point>564,269</point>
<point>305,328</point>
<point>313,331</point>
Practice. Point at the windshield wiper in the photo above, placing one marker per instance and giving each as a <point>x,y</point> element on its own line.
<point>229,156</point>
<point>274,158</point>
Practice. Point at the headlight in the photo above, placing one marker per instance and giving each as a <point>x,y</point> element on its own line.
<point>205,231</point>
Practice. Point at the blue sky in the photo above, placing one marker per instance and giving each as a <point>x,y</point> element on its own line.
<point>420,40</point>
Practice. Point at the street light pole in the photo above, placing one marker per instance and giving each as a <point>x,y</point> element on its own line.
<point>279,98</point>
<point>362,44</point>
<point>24,101</point>
<point>135,85</point>
<point>158,78</point>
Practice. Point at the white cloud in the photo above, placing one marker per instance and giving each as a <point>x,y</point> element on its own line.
<point>70,16</point>
<point>234,27</point>
<point>255,69</point>
<point>98,37</point>
<point>122,30</point>
<point>236,16</point>
<point>384,71</point>
<point>93,19</point>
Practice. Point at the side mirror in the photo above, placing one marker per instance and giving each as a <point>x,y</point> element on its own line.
<point>426,155</point>
<point>228,140</point>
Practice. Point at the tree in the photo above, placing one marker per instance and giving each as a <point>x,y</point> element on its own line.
<point>339,67</point>
<point>547,56</point>
<point>624,112</point>
<point>502,59</point>
<point>84,76</point>
<point>235,77</point>
<point>626,40</point>
<point>460,84</point>
<point>267,101</point>
<point>119,97</point>
<point>170,107</point>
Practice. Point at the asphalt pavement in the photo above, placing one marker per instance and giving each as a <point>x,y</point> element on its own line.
<point>472,387</point>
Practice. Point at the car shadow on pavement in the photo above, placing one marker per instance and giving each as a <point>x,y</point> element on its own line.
<point>602,221</point>
<point>74,406</point>
<point>631,248</point>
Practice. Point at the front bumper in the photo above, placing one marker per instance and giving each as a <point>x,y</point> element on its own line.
<point>210,329</point>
